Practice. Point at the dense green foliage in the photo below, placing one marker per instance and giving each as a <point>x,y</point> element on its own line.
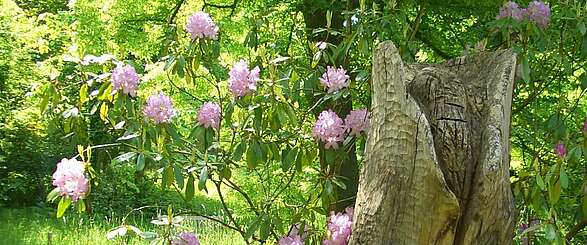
<point>262,171</point>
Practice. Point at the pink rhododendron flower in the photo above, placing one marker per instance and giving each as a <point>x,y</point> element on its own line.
<point>186,238</point>
<point>69,178</point>
<point>340,227</point>
<point>209,115</point>
<point>560,150</point>
<point>159,108</point>
<point>357,121</point>
<point>334,79</point>
<point>538,12</point>
<point>329,128</point>
<point>125,78</point>
<point>510,9</point>
<point>291,240</point>
<point>243,81</point>
<point>200,25</point>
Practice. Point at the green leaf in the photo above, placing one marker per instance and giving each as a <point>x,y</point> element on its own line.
<point>180,66</point>
<point>339,183</point>
<point>189,189</point>
<point>64,203</point>
<point>174,136</point>
<point>125,157</point>
<point>584,81</point>
<point>253,227</point>
<point>45,101</point>
<point>584,205</point>
<point>540,182</point>
<point>83,93</point>
<point>238,151</point>
<point>564,178</point>
<point>53,195</point>
<point>104,111</point>
<point>289,156</point>
<point>554,193</point>
<point>254,154</point>
<point>203,178</point>
<point>525,69</point>
<point>265,229</point>
<point>140,162</point>
<point>167,176</point>
<point>178,176</point>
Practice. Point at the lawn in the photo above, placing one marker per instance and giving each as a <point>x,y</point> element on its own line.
<point>35,225</point>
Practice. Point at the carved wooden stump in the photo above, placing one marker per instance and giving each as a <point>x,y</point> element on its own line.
<point>437,156</point>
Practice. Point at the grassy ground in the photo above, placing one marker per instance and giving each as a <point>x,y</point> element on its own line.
<point>37,226</point>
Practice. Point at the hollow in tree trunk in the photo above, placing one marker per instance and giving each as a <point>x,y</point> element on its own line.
<point>437,156</point>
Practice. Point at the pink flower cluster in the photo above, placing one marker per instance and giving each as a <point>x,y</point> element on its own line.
<point>209,115</point>
<point>200,25</point>
<point>537,12</point>
<point>330,129</point>
<point>125,78</point>
<point>69,178</point>
<point>510,9</point>
<point>357,121</point>
<point>340,227</point>
<point>560,150</point>
<point>159,108</point>
<point>243,81</point>
<point>186,238</point>
<point>334,79</point>
<point>291,240</point>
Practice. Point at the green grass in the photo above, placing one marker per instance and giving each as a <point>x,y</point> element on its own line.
<point>36,225</point>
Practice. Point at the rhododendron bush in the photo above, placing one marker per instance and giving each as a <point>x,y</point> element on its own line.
<point>268,103</point>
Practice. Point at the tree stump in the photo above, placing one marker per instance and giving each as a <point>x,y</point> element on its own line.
<point>437,157</point>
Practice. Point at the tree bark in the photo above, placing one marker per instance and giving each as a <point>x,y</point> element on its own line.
<point>437,157</point>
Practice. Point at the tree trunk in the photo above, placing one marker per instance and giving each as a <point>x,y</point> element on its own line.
<point>437,157</point>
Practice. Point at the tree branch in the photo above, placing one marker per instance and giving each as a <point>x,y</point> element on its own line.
<point>578,227</point>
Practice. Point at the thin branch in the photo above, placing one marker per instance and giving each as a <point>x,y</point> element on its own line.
<point>578,227</point>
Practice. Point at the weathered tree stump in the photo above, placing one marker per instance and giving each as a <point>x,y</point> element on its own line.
<point>437,157</point>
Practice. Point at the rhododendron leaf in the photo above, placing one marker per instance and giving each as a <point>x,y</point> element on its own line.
<point>254,154</point>
<point>554,192</point>
<point>189,189</point>
<point>299,158</point>
<point>53,195</point>
<point>180,66</point>
<point>253,227</point>
<point>64,203</point>
<point>564,178</point>
<point>265,229</point>
<point>83,94</point>
<point>226,172</point>
<point>169,62</point>
<point>128,136</point>
<point>584,205</point>
<point>125,157</point>
<point>148,235</point>
<point>203,178</point>
<point>178,176</point>
<point>167,176</point>
<point>238,151</point>
<point>540,182</point>
<point>289,156</point>
<point>174,135</point>
<point>140,162</point>
<point>104,111</point>
<point>339,183</point>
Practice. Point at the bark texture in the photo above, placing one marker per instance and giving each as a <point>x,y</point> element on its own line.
<point>437,156</point>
